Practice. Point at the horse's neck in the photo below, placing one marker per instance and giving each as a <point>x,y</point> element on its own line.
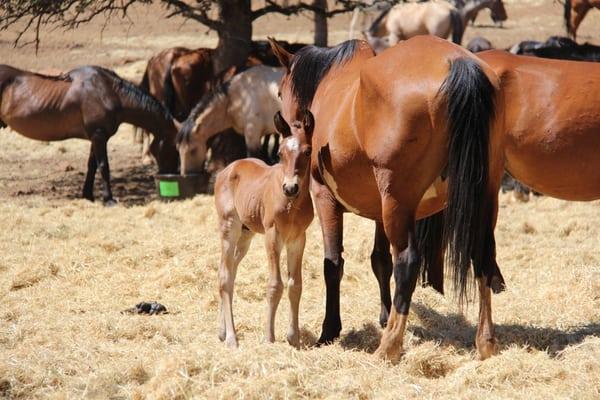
<point>215,120</point>
<point>154,122</point>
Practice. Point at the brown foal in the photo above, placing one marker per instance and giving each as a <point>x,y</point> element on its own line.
<point>252,197</point>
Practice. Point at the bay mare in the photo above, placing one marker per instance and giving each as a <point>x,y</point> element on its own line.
<point>245,103</point>
<point>252,197</point>
<point>85,103</point>
<point>388,127</point>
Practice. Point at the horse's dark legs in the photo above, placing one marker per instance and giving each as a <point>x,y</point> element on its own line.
<point>275,152</point>
<point>400,229</point>
<point>331,218</point>
<point>99,142</point>
<point>88,186</point>
<point>381,263</point>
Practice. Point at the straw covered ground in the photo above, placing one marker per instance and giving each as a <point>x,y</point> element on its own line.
<point>69,267</point>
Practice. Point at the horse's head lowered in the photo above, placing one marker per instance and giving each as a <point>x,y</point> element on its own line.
<point>207,118</point>
<point>294,152</point>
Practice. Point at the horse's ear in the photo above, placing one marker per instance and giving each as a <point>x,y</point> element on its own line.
<point>281,126</point>
<point>308,123</point>
<point>285,58</point>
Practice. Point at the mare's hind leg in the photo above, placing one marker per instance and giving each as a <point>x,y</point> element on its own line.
<point>99,142</point>
<point>294,252</point>
<point>275,286</point>
<point>399,224</point>
<point>331,219</point>
<point>88,186</point>
<point>381,263</point>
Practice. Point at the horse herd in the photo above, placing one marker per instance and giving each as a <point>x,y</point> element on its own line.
<point>416,138</point>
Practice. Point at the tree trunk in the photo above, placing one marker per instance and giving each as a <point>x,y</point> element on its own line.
<point>320,23</point>
<point>235,36</point>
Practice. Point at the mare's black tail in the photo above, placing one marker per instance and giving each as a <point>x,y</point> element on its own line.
<point>470,98</point>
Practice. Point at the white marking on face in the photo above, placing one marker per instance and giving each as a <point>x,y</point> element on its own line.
<point>290,181</point>
<point>333,186</point>
<point>292,144</point>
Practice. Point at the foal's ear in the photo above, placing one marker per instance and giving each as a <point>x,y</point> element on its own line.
<point>281,126</point>
<point>308,123</point>
<point>285,58</point>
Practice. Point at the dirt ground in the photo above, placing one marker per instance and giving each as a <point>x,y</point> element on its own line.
<point>68,267</point>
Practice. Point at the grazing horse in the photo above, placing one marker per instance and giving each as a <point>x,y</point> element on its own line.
<point>251,198</point>
<point>86,103</point>
<point>397,138</point>
<point>246,103</point>
<point>575,11</point>
<point>435,18</point>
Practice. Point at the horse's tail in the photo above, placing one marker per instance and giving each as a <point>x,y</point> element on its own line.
<point>567,16</point>
<point>471,101</point>
<point>458,28</point>
<point>429,233</point>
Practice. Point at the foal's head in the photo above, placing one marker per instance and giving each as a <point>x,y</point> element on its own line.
<point>294,152</point>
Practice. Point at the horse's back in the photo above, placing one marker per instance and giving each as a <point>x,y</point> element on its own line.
<point>410,19</point>
<point>551,123</point>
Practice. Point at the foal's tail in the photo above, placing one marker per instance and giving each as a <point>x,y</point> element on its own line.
<point>471,100</point>
<point>458,28</point>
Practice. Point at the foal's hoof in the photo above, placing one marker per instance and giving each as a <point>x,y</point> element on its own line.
<point>110,203</point>
<point>487,348</point>
<point>293,339</point>
<point>389,353</point>
<point>231,342</point>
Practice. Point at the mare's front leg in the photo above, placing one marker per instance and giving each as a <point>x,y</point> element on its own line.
<point>381,263</point>
<point>275,286</point>
<point>399,224</point>
<point>331,218</point>
<point>295,250</point>
<point>99,142</point>
<point>92,166</point>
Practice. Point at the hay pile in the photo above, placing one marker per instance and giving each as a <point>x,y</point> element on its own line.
<point>68,267</point>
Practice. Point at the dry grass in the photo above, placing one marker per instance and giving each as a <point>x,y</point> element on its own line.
<point>68,268</point>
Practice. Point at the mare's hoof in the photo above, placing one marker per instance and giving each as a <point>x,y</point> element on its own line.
<point>151,308</point>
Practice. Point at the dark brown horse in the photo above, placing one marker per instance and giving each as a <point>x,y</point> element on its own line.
<point>393,135</point>
<point>86,103</point>
<point>575,11</point>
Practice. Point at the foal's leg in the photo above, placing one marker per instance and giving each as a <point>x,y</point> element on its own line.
<point>275,285</point>
<point>331,219</point>
<point>231,231</point>
<point>99,142</point>
<point>381,263</point>
<point>295,250</point>
<point>88,186</point>
<point>399,226</point>
<point>240,251</point>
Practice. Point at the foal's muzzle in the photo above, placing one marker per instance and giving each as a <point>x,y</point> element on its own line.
<point>291,190</point>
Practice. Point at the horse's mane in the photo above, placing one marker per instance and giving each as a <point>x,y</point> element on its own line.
<point>310,65</point>
<point>137,95</point>
<point>217,92</point>
<point>567,16</point>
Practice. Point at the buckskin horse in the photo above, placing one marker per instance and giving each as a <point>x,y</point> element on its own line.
<point>575,11</point>
<point>86,103</point>
<point>438,18</point>
<point>252,197</point>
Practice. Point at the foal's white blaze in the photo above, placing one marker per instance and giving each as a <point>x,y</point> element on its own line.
<point>290,181</point>
<point>292,144</point>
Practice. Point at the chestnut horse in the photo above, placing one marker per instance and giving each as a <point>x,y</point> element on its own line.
<point>575,11</point>
<point>86,103</point>
<point>397,138</point>
<point>251,198</point>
